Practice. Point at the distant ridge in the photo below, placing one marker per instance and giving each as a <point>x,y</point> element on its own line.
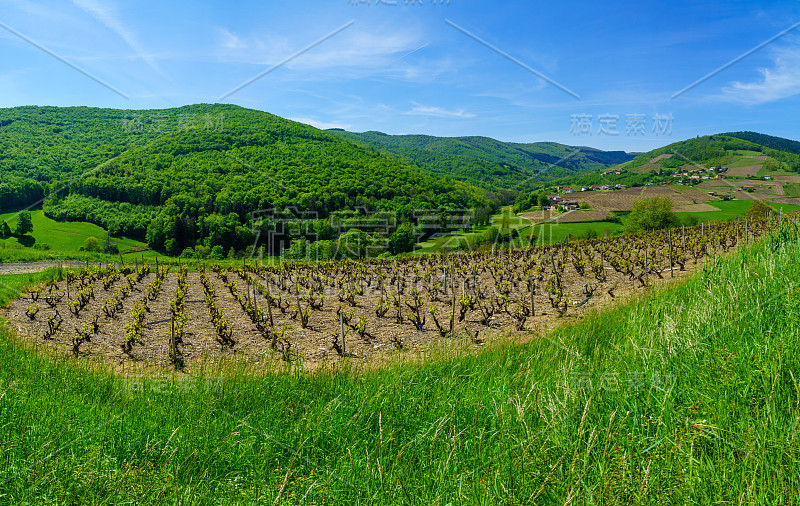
<point>489,163</point>
<point>770,141</point>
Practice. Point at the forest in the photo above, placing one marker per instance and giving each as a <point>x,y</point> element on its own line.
<point>489,163</point>
<point>193,176</point>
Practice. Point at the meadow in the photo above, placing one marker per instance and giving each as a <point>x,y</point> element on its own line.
<point>688,394</point>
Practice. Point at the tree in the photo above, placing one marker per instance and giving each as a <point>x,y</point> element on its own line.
<point>172,248</point>
<point>352,244</point>
<point>5,230</point>
<point>402,240</point>
<point>543,201</point>
<point>590,234</point>
<point>92,245</point>
<point>758,209</point>
<point>217,253</point>
<point>585,206</point>
<point>651,213</point>
<point>24,223</point>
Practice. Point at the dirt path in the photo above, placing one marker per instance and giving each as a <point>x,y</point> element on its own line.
<point>31,267</point>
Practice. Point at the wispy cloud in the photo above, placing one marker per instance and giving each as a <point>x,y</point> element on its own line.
<point>322,125</point>
<point>780,81</point>
<point>358,49</point>
<point>439,112</point>
<point>107,14</point>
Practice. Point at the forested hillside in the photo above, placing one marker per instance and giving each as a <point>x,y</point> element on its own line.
<point>490,163</point>
<point>192,175</point>
<point>717,150</point>
<point>769,141</point>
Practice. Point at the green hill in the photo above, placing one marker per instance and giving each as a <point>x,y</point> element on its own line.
<point>490,163</point>
<point>769,141</point>
<point>192,175</point>
<point>718,150</point>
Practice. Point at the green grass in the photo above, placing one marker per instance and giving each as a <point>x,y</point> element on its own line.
<point>734,162</point>
<point>745,152</point>
<point>434,245</point>
<point>731,209</point>
<point>548,233</point>
<point>65,240</point>
<point>688,396</point>
<point>792,189</point>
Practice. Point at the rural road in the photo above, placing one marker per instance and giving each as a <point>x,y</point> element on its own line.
<point>31,267</point>
<point>556,217</point>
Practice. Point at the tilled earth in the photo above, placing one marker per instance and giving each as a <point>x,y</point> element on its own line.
<point>312,346</point>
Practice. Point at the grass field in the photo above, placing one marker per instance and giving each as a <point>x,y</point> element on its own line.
<point>64,239</point>
<point>792,189</point>
<point>434,245</point>
<point>688,396</point>
<point>731,209</point>
<point>548,233</point>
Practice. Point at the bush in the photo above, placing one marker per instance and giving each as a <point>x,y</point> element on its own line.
<point>201,251</point>
<point>691,221</point>
<point>758,209</point>
<point>217,253</point>
<point>652,213</point>
<point>490,234</point>
<point>402,240</point>
<point>92,245</point>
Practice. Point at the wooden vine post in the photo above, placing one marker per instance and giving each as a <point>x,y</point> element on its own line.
<point>341,329</point>
<point>532,289</point>
<point>669,243</point>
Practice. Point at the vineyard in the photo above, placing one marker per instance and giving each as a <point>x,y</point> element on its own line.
<point>168,316</point>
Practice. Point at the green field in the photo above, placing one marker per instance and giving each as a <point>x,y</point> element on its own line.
<point>643,404</point>
<point>514,222</point>
<point>731,209</point>
<point>548,233</point>
<point>792,189</point>
<point>64,240</point>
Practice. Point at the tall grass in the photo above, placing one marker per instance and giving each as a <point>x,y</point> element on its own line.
<point>690,395</point>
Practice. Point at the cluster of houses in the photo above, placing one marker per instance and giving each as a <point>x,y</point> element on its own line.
<point>687,176</point>
<point>605,187</point>
<point>723,196</point>
<point>555,201</point>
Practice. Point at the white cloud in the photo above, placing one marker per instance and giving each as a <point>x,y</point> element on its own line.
<point>106,14</point>
<point>781,81</point>
<point>322,125</point>
<point>439,112</point>
<point>355,48</point>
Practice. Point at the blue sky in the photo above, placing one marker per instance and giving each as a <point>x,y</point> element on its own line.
<point>503,69</point>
